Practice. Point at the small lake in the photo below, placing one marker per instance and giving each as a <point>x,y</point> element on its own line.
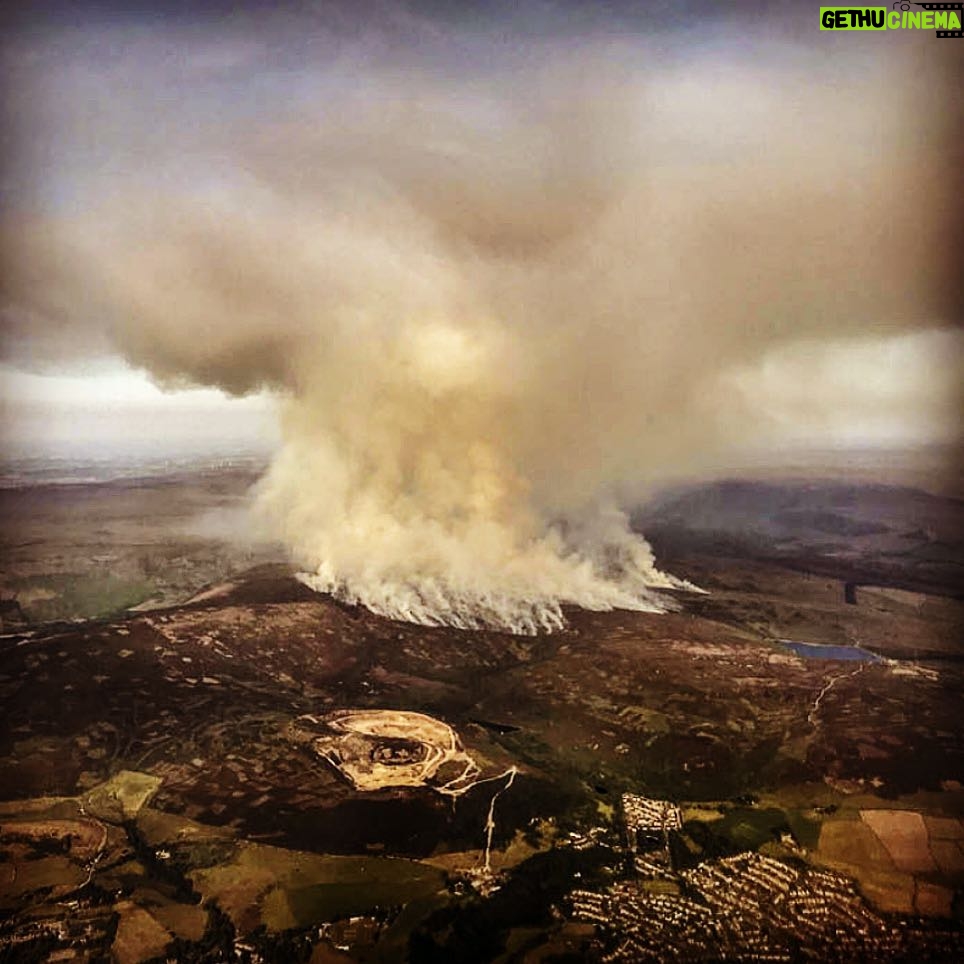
<point>823,651</point>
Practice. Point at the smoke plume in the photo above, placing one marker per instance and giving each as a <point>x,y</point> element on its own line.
<point>497,287</point>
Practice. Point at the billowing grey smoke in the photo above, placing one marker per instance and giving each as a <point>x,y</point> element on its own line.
<point>494,295</point>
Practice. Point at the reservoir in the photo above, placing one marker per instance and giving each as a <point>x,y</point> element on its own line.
<point>822,651</point>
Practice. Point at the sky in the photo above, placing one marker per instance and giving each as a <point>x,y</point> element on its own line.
<point>114,412</point>
<point>105,102</point>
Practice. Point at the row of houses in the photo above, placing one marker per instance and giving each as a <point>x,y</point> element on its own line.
<point>749,907</point>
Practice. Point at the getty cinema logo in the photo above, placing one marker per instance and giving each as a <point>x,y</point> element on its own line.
<point>944,18</point>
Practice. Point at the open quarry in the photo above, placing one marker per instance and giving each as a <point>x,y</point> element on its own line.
<point>375,749</point>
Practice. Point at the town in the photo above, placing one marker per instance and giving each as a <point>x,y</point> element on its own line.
<point>745,907</point>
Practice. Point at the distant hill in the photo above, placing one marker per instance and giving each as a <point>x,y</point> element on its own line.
<point>893,535</point>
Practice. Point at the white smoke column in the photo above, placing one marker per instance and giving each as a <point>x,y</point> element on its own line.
<point>495,299</point>
<point>416,505</point>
